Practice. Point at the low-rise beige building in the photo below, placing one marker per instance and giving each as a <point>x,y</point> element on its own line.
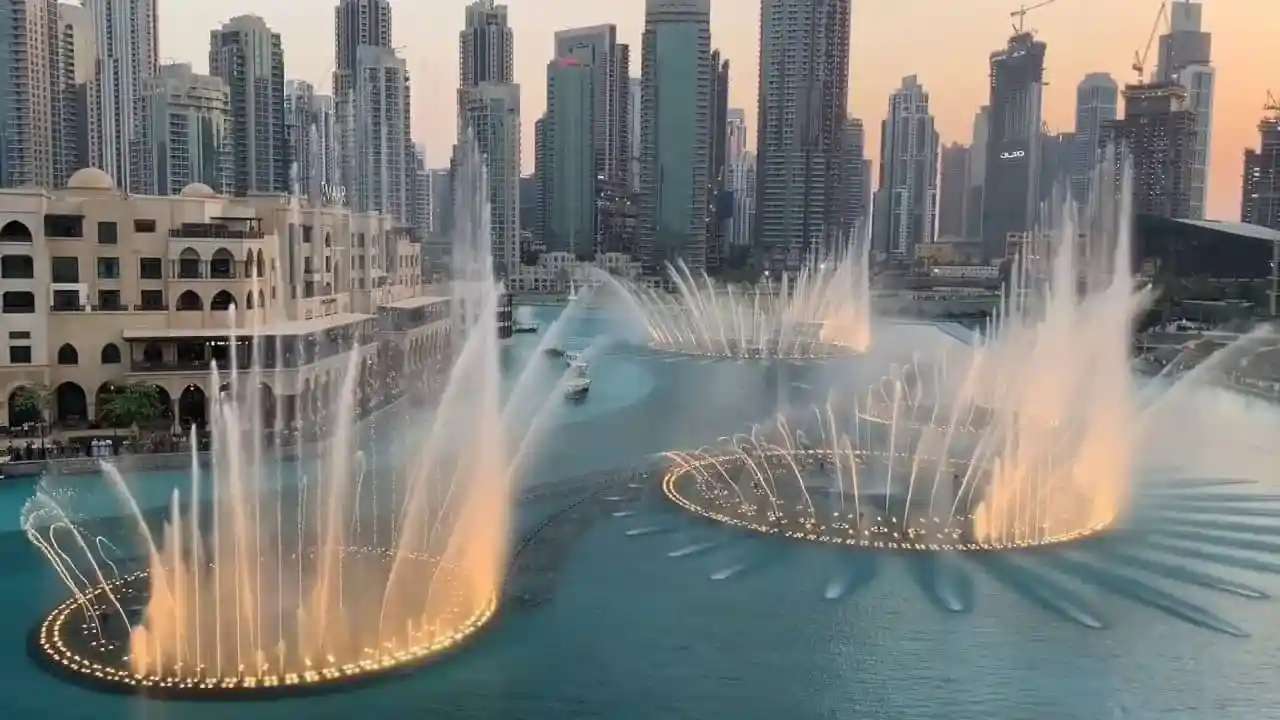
<point>99,289</point>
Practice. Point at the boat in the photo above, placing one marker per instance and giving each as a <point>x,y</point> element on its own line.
<point>578,384</point>
<point>521,328</point>
<point>575,360</point>
<point>554,352</point>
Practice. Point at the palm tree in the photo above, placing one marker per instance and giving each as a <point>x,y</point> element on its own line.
<point>130,405</point>
<point>37,398</point>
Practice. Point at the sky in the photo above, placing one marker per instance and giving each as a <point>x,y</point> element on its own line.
<point>944,42</point>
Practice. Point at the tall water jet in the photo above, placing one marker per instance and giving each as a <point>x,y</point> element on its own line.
<point>823,310</point>
<point>1024,438</point>
<point>269,574</point>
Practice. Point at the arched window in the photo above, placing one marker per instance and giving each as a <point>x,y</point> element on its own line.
<point>248,300</point>
<point>15,232</point>
<point>262,266</point>
<point>189,265</point>
<point>110,354</point>
<point>222,266</point>
<point>68,355</point>
<point>189,301</point>
<point>222,301</point>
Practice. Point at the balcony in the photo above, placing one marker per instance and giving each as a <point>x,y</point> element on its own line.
<point>201,232</point>
<point>169,366</point>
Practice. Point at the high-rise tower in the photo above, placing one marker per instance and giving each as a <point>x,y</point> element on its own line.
<point>1097,100</point>
<point>249,58</point>
<point>803,96</point>
<point>1185,58</point>
<point>126,40</point>
<point>357,24</point>
<point>908,193</point>
<point>953,190</point>
<point>190,119</point>
<point>1011,188</point>
<point>1159,132</point>
<point>675,146</point>
<point>489,117</point>
<point>1260,198</point>
<point>37,83</point>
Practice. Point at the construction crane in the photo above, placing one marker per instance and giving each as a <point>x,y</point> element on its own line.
<point>1140,59</point>
<point>1272,105</point>
<point>1021,14</point>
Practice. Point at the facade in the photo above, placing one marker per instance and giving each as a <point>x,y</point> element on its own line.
<point>855,191</point>
<point>977,174</point>
<point>633,90</point>
<point>1097,103</point>
<point>953,190</point>
<point>1260,197</point>
<point>1057,162</point>
<point>491,114</point>
<point>104,289</point>
<point>908,174</point>
<point>1186,58</point>
<point>382,177</point>
<point>311,130</point>
<point>421,199</point>
<point>568,157</point>
<point>189,128</point>
<point>249,58</point>
<point>675,147</point>
<point>357,24</point>
<point>86,110</point>
<point>610,62</point>
<point>803,96</point>
<point>1011,187</point>
<point>37,80</point>
<point>719,204</point>
<point>126,39</point>
<point>1159,131</point>
<point>735,135</point>
<point>742,184</point>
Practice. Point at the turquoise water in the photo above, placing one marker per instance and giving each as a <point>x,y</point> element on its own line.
<point>1170,618</point>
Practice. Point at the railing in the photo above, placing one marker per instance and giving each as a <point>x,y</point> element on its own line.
<point>151,308</point>
<point>163,366</point>
<point>215,234</point>
<point>68,308</point>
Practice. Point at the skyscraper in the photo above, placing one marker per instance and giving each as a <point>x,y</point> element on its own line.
<point>1097,101</point>
<point>1185,58</point>
<point>854,197</point>
<point>190,121</point>
<point>610,63</point>
<point>803,96</point>
<point>77,28</point>
<point>37,82</point>
<point>1011,189</point>
<point>633,112</point>
<point>1159,131</point>
<point>568,158</point>
<point>977,174</point>
<point>953,190</point>
<point>735,134</point>
<point>675,147</point>
<point>1260,198</point>
<point>126,39</point>
<point>357,24</point>
<point>1057,165</point>
<point>383,173</point>
<point>489,117</point>
<point>908,191</point>
<point>312,131</point>
<point>249,58</point>
<point>718,204</point>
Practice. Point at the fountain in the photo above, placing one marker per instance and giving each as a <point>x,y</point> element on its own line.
<point>267,574</point>
<point>823,311</point>
<point>1022,439</point>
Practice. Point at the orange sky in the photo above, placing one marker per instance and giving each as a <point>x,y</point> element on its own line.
<point>945,42</point>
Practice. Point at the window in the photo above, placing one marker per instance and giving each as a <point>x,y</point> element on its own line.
<point>108,233</point>
<point>67,300</point>
<point>65,270</point>
<point>153,300</point>
<point>18,302</point>
<point>108,268</point>
<point>109,300</point>
<point>150,268</point>
<point>144,225</point>
<point>64,226</point>
<point>20,354</point>
<point>17,267</point>
<point>19,334</point>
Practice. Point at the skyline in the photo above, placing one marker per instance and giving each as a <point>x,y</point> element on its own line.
<point>1083,36</point>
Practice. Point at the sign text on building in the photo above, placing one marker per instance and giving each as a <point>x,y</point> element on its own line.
<point>1012,154</point>
<point>333,194</point>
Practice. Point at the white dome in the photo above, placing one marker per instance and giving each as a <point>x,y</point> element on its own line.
<point>90,178</point>
<point>198,190</point>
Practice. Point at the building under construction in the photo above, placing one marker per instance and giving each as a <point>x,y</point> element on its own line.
<point>1260,204</point>
<point>1158,131</point>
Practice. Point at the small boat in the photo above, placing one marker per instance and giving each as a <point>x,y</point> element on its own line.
<point>554,352</point>
<point>577,388</point>
<point>522,328</point>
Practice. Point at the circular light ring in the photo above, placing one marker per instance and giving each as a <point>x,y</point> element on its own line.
<point>876,539</point>
<point>738,351</point>
<point>50,647</point>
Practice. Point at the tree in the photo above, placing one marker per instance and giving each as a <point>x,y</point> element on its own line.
<point>34,399</point>
<point>130,405</point>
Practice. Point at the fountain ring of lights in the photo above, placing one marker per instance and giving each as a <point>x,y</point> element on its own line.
<point>686,484</point>
<point>64,644</point>
<point>738,350</point>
